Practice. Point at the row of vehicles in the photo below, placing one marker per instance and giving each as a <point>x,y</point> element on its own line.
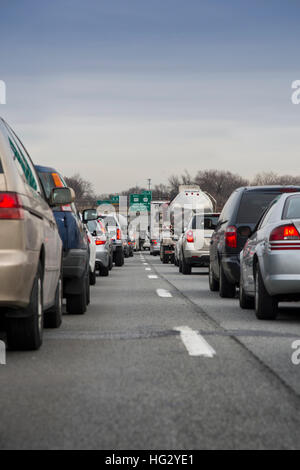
<point>253,245</point>
<point>48,250</point>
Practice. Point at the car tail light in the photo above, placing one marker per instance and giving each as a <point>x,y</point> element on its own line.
<point>119,234</point>
<point>154,242</point>
<point>11,206</point>
<point>190,236</point>
<point>231,237</point>
<point>284,232</point>
<point>98,241</point>
<point>66,208</point>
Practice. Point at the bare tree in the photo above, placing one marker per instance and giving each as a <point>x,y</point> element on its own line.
<point>220,184</point>
<point>271,178</point>
<point>85,196</point>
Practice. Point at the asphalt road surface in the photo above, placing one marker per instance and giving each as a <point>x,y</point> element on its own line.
<point>157,362</point>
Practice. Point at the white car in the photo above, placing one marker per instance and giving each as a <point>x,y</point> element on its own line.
<point>193,245</point>
<point>92,247</point>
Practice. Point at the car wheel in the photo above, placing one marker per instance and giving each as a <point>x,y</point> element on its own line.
<point>76,304</point>
<point>180,266</point>
<point>27,333</point>
<point>246,302</point>
<point>104,271</point>
<point>88,291</point>
<point>186,267</point>
<point>93,277</point>
<point>226,288</point>
<point>119,260</point>
<point>213,283</point>
<point>111,263</point>
<point>53,316</point>
<point>266,306</point>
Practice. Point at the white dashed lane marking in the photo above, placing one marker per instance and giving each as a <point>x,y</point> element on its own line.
<point>195,344</point>
<point>163,293</point>
<point>153,276</point>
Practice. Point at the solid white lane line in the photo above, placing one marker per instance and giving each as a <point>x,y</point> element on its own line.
<point>195,344</point>
<point>153,276</point>
<point>163,293</point>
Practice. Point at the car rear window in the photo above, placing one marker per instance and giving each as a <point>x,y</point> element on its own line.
<point>253,204</point>
<point>110,222</point>
<point>208,222</point>
<point>292,208</point>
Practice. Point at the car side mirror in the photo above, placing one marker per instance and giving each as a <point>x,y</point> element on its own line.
<point>89,214</point>
<point>61,196</point>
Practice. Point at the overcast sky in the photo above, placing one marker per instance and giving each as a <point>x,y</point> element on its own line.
<point>124,90</point>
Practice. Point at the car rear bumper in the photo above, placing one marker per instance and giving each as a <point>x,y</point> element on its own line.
<point>74,263</point>
<point>197,258</point>
<point>231,266</point>
<point>102,259</point>
<point>281,272</point>
<point>17,272</point>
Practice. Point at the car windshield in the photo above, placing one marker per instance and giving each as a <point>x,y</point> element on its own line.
<point>292,208</point>
<point>253,204</point>
<point>205,221</point>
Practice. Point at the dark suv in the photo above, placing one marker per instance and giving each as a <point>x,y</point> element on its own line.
<point>237,221</point>
<point>76,285</point>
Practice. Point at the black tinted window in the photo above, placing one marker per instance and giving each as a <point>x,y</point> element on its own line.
<point>252,205</point>
<point>292,208</point>
<point>1,169</point>
<point>207,222</point>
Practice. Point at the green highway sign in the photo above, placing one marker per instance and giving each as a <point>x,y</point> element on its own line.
<point>134,199</point>
<point>99,203</point>
<point>115,199</point>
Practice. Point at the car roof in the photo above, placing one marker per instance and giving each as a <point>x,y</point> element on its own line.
<point>268,187</point>
<point>45,169</point>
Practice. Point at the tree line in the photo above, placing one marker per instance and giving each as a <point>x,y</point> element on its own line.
<point>219,183</point>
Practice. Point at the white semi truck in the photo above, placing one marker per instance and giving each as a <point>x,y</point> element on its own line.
<point>190,200</point>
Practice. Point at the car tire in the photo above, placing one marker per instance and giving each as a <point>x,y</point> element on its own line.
<point>111,263</point>
<point>88,291</point>
<point>25,334</point>
<point>77,303</point>
<point>246,302</point>
<point>180,266</point>
<point>119,260</point>
<point>53,316</point>
<point>104,271</point>
<point>213,282</point>
<point>93,277</point>
<point>266,306</point>
<point>186,267</point>
<point>226,288</point>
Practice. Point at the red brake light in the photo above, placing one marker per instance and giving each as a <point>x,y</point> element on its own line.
<point>190,236</point>
<point>98,241</point>
<point>10,206</point>
<point>119,234</point>
<point>285,232</point>
<point>154,242</point>
<point>231,237</point>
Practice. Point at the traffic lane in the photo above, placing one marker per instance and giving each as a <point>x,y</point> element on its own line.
<point>141,394</point>
<point>270,341</point>
<point>90,387</point>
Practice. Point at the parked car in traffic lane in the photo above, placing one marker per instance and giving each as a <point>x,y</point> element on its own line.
<point>102,243</point>
<point>192,249</point>
<point>238,218</point>
<point>270,260</point>
<point>30,247</point>
<point>114,230</point>
<point>76,256</point>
